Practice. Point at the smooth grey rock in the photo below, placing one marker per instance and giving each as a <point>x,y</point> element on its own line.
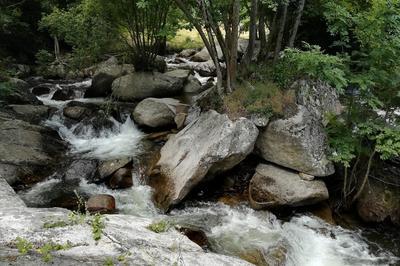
<point>122,234</point>
<point>27,151</point>
<point>181,74</point>
<point>31,113</point>
<point>8,197</point>
<point>187,53</point>
<point>298,142</point>
<point>141,85</point>
<point>155,112</point>
<point>104,77</point>
<point>192,85</point>
<point>272,186</point>
<point>81,169</point>
<point>107,168</point>
<point>209,145</point>
<point>75,112</point>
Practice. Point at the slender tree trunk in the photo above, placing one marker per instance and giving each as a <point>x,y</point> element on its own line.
<point>248,56</point>
<point>296,23</point>
<point>365,180</point>
<point>231,61</point>
<point>271,35</point>
<point>262,33</point>
<point>56,48</point>
<point>279,38</point>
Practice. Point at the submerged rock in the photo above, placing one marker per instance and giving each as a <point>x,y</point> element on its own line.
<point>298,142</point>
<point>107,168</point>
<point>141,85</point>
<point>63,95</point>
<point>75,112</point>
<point>209,145</point>
<point>101,204</point>
<point>122,178</point>
<point>41,90</point>
<point>272,186</point>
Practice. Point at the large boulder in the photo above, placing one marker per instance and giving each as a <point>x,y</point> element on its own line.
<point>123,237</point>
<point>141,85</point>
<point>28,153</point>
<point>318,97</point>
<point>19,93</point>
<point>154,112</point>
<point>209,145</point>
<point>104,77</point>
<point>187,53</point>
<point>272,186</point>
<point>298,142</point>
<point>31,113</point>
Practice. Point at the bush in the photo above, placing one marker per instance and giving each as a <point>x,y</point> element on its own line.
<point>263,98</point>
<point>311,63</point>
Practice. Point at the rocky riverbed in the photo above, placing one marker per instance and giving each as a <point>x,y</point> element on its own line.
<point>145,156</point>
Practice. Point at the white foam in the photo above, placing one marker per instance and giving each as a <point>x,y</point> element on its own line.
<point>122,140</point>
<point>308,240</point>
<point>134,201</point>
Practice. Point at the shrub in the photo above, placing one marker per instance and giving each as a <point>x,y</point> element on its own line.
<point>160,226</point>
<point>312,63</point>
<point>263,98</point>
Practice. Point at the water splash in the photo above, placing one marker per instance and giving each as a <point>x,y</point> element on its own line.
<point>122,140</point>
<point>305,240</point>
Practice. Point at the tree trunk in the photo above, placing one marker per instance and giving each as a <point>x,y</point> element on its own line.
<point>272,32</point>
<point>296,23</point>
<point>248,56</point>
<point>56,49</point>
<point>262,33</point>
<point>231,61</point>
<point>279,38</point>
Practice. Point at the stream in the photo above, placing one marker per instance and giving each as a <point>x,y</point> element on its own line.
<point>236,231</point>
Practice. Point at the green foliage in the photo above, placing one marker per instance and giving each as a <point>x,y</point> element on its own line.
<point>84,29</point>
<point>109,262</point>
<point>311,63</point>
<point>160,226</point>
<point>97,226</point>
<point>141,24</point>
<point>47,248</point>
<point>23,245</point>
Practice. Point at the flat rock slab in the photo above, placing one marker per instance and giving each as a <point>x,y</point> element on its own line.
<point>122,234</point>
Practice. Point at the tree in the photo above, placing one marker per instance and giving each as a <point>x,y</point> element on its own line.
<point>207,16</point>
<point>142,26</point>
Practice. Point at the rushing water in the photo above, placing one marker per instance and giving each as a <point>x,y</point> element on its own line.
<point>236,231</point>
